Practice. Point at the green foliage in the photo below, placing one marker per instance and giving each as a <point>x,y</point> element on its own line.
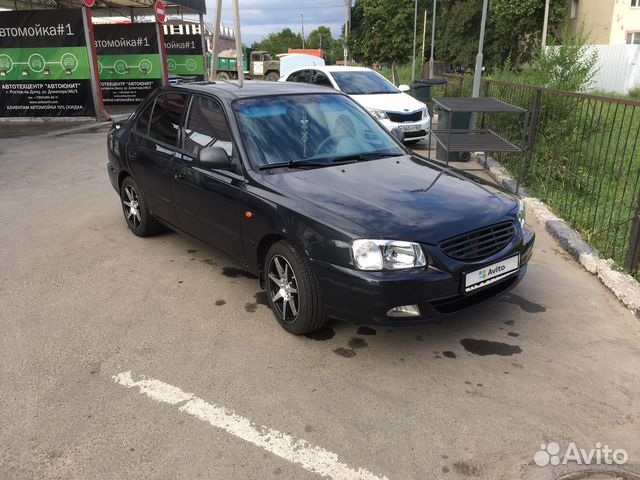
<point>382,31</point>
<point>514,28</point>
<point>634,93</point>
<point>404,74</point>
<point>584,162</point>
<point>568,66</point>
<point>279,42</point>
<point>321,38</point>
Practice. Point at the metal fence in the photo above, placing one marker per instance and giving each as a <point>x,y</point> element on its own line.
<point>582,158</point>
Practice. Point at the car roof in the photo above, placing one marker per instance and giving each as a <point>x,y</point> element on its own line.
<point>252,88</point>
<point>340,68</point>
<point>333,68</point>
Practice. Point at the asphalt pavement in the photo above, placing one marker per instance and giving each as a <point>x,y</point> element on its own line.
<point>156,358</point>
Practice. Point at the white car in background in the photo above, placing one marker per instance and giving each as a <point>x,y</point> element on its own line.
<point>388,103</point>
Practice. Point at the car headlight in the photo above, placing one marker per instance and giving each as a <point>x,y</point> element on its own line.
<point>379,114</point>
<point>386,254</point>
<point>522,217</point>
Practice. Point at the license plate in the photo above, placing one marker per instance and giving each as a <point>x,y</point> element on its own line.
<point>491,273</point>
<point>410,128</point>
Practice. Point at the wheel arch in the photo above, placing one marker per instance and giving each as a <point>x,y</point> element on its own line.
<point>263,247</point>
<point>121,176</point>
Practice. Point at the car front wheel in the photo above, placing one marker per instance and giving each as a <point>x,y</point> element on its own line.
<point>139,219</point>
<point>292,291</point>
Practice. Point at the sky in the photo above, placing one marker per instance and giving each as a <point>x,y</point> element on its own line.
<point>258,18</point>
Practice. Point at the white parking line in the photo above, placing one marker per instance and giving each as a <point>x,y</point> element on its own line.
<point>296,450</point>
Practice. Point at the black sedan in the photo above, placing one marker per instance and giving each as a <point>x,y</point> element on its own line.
<point>305,189</point>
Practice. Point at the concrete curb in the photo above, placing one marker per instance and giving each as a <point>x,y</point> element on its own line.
<point>623,286</point>
<point>79,129</point>
<point>88,127</point>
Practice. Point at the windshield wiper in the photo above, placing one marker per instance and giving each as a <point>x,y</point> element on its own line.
<point>362,157</point>
<point>292,164</point>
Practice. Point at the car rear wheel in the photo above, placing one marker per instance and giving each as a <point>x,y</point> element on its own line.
<point>137,215</point>
<point>292,291</point>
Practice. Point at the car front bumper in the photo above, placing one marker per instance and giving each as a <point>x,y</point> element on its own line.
<point>411,130</point>
<point>366,297</point>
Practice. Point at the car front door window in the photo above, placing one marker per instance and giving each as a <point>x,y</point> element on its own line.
<point>206,127</point>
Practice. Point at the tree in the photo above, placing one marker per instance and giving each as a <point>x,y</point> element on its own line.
<point>382,31</point>
<point>279,42</point>
<point>568,66</point>
<point>516,27</point>
<point>321,38</point>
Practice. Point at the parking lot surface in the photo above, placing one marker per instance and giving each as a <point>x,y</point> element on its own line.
<point>125,357</point>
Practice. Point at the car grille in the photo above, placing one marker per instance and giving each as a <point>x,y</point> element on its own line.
<point>419,133</point>
<point>405,117</point>
<point>480,243</point>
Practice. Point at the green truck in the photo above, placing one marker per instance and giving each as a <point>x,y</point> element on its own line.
<point>256,64</point>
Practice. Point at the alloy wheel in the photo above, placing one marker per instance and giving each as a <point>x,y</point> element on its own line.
<point>131,207</point>
<point>283,289</point>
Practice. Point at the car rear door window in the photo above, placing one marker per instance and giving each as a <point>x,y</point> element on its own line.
<point>206,126</point>
<point>302,76</point>
<point>142,123</point>
<point>166,118</point>
<point>320,78</point>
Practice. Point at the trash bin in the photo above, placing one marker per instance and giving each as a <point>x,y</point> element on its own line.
<point>421,90</point>
<point>454,121</point>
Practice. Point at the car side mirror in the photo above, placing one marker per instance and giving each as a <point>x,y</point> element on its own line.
<point>404,88</point>
<point>215,158</point>
<point>399,134</point>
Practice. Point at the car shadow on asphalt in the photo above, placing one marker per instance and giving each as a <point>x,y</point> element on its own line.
<point>488,329</point>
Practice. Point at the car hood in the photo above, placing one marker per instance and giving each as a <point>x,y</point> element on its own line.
<point>389,102</point>
<point>403,198</point>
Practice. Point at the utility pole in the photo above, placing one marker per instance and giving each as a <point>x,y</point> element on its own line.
<point>424,37</point>
<point>236,12</point>
<point>478,72</point>
<point>545,23</point>
<point>433,38</point>
<point>347,21</point>
<point>415,31</point>
<point>302,25</point>
<point>213,71</point>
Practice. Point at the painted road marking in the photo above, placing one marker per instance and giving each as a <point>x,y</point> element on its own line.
<point>296,450</point>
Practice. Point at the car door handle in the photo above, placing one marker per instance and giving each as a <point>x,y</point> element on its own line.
<point>178,175</point>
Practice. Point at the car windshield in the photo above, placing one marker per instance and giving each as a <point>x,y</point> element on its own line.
<point>310,130</point>
<point>363,83</point>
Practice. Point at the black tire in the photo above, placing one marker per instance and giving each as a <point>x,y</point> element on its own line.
<point>272,77</point>
<point>464,156</point>
<point>224,76</point>
<point>139,219</point>
<point>311,313</point>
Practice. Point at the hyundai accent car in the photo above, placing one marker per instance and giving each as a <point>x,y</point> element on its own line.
<point>390,105</point>
<point>303,188</point>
